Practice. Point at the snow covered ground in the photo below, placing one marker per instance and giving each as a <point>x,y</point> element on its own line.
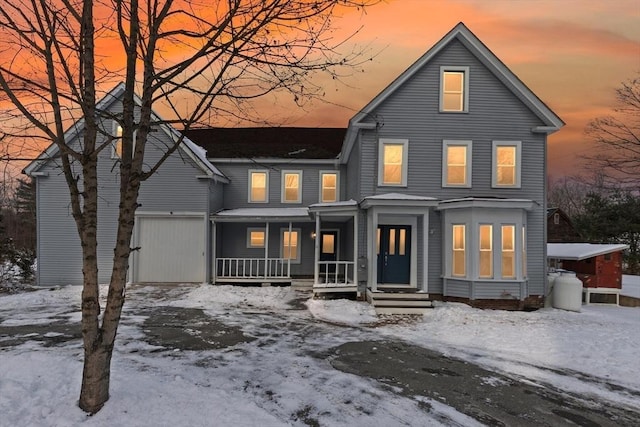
<point>275,380</point>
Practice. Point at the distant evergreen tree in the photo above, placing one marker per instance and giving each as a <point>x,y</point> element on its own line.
<point>613,218</point>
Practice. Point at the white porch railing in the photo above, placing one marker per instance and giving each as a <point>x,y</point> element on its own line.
<point>336,273</point>
<point>252,268</point>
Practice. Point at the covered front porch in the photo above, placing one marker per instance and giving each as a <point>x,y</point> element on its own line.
<point>261,245</point>
<point>335,247</point>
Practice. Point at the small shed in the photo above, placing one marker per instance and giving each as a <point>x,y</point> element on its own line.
<point>598,266</point>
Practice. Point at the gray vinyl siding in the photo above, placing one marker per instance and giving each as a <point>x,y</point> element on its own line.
<point>352,178</point>
<point>435,250</point>
<point>216,196</point>
<point>174,188</point>
<point>494,113</point>
<point>458,288</point>
<point>236,193</point>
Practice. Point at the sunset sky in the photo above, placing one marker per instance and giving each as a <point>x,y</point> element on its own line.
<point>572,53</point>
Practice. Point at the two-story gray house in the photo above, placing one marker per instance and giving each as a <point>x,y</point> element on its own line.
<point>435,190</point>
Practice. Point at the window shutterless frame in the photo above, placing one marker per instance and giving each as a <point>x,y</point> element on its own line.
<point>454,89</point>
<point>393,157</point>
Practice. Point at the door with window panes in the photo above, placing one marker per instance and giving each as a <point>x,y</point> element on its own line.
<point>394,254</point>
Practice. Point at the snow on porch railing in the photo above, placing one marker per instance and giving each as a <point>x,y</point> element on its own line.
<point>336,273</point>
<point>252,268</point>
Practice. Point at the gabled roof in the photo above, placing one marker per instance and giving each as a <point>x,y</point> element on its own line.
<point>269,142</point>
<point>461,33</point>
<point>188,146</point>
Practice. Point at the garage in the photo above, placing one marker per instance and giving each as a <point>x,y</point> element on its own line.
<point>171,249</point>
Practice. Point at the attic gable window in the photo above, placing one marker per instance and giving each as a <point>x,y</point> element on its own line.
<point>454,89</point>
<point>116,149</point>
<point>258,186</point>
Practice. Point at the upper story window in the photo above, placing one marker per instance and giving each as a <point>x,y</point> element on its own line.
<point>506,160</point>
<point>454,89</point>
<point>255,237</point>
<point>291,187</point>
<point>392,162</point>
<point>456,163</point>
<point>258,186</point>
<point>329,186</point>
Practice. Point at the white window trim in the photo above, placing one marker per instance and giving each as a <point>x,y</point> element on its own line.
<point>266,192</point>
<point>446,143</point>
<point>465,95</point>
<point>405,158</point>
<point>327,172</point>
<point>282,186</point>
<point>295,260</point>
<point>253,229</point>
<point>494,163</point>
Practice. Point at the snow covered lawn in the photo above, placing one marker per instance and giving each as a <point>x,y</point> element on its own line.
<point>276,379</point>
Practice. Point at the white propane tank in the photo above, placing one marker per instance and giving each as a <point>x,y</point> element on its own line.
<point>567,292</point>
<point>551,278</point>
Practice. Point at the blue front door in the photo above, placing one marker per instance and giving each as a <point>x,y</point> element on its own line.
<point>394,254</point>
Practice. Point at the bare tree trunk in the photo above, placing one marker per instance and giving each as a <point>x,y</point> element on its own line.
<point>95,379</point>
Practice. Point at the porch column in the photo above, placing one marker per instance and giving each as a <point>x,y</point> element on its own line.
<point>266,249</point>
<point>373,254</point>
<point>425,250</point>
<point>355,249</point>
<point>316,244</point>
<point>214,269</point>
<point>289,243</point>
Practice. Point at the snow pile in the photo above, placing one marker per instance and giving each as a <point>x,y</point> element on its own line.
<point>342,311</point>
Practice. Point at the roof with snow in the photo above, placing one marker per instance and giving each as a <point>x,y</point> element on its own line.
<point>580,251</point>
<point>269,142</point>
<point>196,153</point>
<point>263,214</point>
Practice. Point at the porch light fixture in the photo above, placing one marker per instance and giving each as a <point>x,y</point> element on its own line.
<point>313,235</point>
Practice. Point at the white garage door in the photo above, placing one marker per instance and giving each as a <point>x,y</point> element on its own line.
<point>171,249</point>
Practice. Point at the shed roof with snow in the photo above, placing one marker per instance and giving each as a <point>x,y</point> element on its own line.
<point>580,251</point>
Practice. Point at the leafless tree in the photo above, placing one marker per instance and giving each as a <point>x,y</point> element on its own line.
<point>200,60</point>
<point>617,138</point>
<point>568,194</point>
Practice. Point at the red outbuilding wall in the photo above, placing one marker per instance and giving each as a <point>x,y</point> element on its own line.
<point>602,271</point>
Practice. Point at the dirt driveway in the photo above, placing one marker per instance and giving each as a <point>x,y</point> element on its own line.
<point>408,370</point>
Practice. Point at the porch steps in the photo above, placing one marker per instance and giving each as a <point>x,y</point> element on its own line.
<point>396,302</point>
